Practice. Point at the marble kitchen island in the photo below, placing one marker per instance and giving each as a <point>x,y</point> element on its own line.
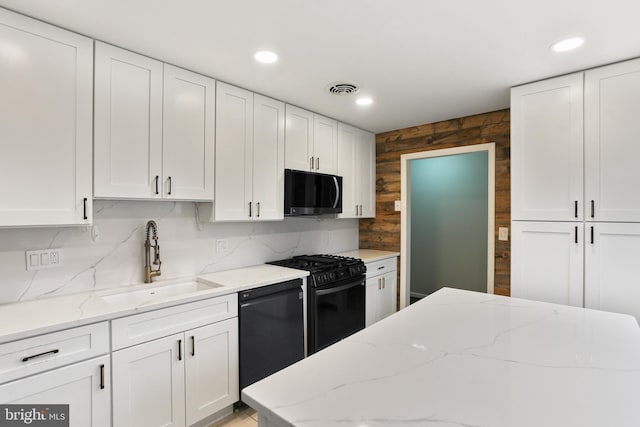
<point>460,358</point>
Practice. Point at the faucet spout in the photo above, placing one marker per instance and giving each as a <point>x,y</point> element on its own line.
<point>151,233</point>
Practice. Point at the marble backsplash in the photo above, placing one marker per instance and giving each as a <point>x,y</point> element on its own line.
<point>188,247</point>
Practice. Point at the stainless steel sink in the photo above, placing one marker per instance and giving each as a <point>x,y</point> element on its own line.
<point>148,294</point>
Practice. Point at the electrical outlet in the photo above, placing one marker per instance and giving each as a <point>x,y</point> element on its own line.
<point>397,205</point>
<point>42,258</point>
<point>503,233</point>
<point>222,245</point>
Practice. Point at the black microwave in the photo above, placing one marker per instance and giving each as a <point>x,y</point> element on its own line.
<point>310,193</point>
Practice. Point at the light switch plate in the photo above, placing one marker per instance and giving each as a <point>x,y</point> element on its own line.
<point>503,233</point>
<point>42,258</point>
<point>397,206</point>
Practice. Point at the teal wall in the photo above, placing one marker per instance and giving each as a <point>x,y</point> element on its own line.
<point>448,205</point>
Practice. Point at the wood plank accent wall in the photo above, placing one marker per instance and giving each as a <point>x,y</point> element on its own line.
<point>383,231</point>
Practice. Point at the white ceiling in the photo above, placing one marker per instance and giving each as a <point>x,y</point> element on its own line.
<point>421,61</point>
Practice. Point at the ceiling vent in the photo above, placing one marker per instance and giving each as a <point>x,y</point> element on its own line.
<point>342,88</point>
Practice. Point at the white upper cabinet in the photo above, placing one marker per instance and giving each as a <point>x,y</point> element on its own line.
<point>356,165</point>
<point>612,142</point>
<point>234,157</point>
<point>311,141</point>
<point>249,156</point>
<point>46,87</point>
<point>188,139</point>
<point>325,144</point>
<point>268,158</point>
<point>547,150</point>
<point>366,173</point>
<point>127,124</point>
<point>154,129</point>
<point>299,139</point>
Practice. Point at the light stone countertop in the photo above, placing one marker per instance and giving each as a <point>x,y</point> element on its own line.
<point>35,317</point>
<point>461,358</point>
<point>369,255</point>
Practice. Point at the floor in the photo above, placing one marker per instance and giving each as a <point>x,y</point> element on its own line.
<point>242,417</point>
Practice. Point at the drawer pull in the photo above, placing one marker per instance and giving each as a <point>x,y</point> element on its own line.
<point>380,268</point>
<point>26,359</point>
<point>102,377</point>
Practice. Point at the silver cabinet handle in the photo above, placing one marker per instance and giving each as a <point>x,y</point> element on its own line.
<point>356,210</point>
<point>317,163</point>
<point>179,349</point>
<point>379,283</point>
<point>249,209</point>
<point>193,345</point>
<point>311,167</point>
<point>258,209</point>
<point>384,282</point>
<point>169,179</point>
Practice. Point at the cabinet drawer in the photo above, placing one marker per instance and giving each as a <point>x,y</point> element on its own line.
<point>380,267</point>
<point>32,355</point>
<point>139,328</point>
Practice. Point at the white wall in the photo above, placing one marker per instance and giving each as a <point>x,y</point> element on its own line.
<point>188,247</point>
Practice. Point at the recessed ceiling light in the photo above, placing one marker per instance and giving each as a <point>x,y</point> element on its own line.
<point>567,44</point>
<point>266,57</point>
<point>364,101</point>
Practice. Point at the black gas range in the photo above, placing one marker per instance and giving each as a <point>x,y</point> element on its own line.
<point>335,297</point>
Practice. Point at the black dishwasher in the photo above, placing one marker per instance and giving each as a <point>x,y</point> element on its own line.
<point>271,329</point>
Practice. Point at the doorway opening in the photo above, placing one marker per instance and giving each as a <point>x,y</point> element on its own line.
<point>447,221</point>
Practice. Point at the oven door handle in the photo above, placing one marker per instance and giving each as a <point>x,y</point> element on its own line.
<point>335,182</point>
<point>338,288</point>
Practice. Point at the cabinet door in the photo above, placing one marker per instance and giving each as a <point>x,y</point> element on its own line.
<point>366,174</point>
<point>211,369</point>
<point>372,289</point>
<point>348,142</point>
<point>547,150</point>
<point>234,150</point>
<point>325,144</point>
<point>127,124</point>
<point>83,386</point>
<point>298,139</point>
<point>387,296</point>
<point>547,261</point>
<point>188,135</point>
<point>268,158</point>
<point>148,384</point>
<point>612,133</point>
<point>612,268</point>
<point>46,82</point>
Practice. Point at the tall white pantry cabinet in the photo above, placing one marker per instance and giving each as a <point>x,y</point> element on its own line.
<point>575,205</point>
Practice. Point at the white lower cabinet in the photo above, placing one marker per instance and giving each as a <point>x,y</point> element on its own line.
<point>380,293</point>
<point>179,379</point>
<point>211,369</point>
<point>593,264</point>
<point>84,386</point>
<point>148,384</point>
<point>612,267</point>
<point>547,261</point>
